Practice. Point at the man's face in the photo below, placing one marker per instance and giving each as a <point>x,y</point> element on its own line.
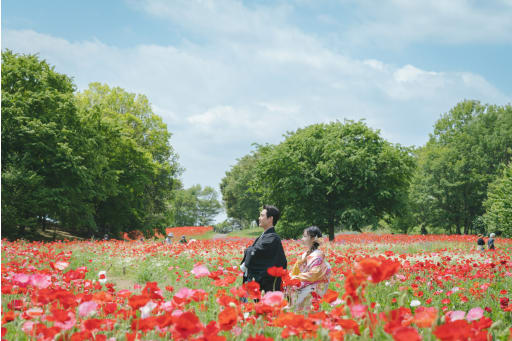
<point>264,221</point>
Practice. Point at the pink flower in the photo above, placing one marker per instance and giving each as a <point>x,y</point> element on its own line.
<point>87,308</point>
<point>167,306</point>
<point>456,315</point>
<point>273,298</point>
<point>21,280</point>
<point>236,331</point>
<point>40,281</point>
<point>358,310</point>
<point>27,327</point>
<point>185,293</point>
<point>68,324</point>
<point>200,271</point>
<point>475,314</point>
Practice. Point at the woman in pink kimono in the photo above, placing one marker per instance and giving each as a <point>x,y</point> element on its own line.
<point>312,269</point>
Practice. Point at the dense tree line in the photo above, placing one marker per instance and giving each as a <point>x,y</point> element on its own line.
<point>100,161</point>
<point>345,176</point>
<point>97,161</point>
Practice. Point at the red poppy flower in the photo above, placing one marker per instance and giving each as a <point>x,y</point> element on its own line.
<point>92,324</point>
<point>379,269</point>
<point>456,330</point>
<point>276,271</point>
<point>424,317</point>
<point>226,281</point>
<point>145,324</point>
<point>253,288</point>
<point>330,296</point>
<point>349,325</point>
<point>137,301</point>
<point>406,334</point>
<point>228,318</point>
<point>8,316</point>
<point>82,336</point>
<point>187,324</point>
<point>259,337</point>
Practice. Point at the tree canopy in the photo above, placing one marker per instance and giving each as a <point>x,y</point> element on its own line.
<point>333,174</point>
<point>468,148</point>
<point>97,161</point>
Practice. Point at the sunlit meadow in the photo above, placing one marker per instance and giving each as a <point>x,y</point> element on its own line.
<point>383,287</point>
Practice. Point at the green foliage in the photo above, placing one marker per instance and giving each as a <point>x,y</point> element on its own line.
<point>465,153</point>
<point>96,161</point>
<point>241,203</point>
<point>498,205</point>
<point>194,206</point>
<point>337,174</point>
<point>136,152</point>
<point>45,169</point>
<point>227,226</point>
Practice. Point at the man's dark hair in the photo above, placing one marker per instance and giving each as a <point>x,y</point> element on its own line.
<point>273,212</point>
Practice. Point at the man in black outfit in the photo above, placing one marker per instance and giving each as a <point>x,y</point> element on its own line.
<point>266,251</point>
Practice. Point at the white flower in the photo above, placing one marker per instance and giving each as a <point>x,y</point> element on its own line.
<point>415,303</point>
<point>146,310</point>
<point>102,277</point>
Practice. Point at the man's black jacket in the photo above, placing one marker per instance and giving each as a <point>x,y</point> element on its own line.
<point>266,251</point>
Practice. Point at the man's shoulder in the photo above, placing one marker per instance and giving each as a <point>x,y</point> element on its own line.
<point>270,236</point>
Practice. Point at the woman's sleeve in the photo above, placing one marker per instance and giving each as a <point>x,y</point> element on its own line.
<point>296,269</point>
<point>317,271</point>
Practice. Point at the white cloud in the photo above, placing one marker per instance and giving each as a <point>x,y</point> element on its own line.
<point>400,22</point>
<point>255,77</point>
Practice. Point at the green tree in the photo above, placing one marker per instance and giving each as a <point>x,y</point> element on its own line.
<point>240,201</point>
<point>334,174</point>
<point>195,206</point>
<point>44,170</point>
<point>469,145</point>
<point>208,206</point>
<point>137,153</point>
<point>498,205</point>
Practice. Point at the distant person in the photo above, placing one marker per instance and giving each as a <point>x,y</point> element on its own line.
<point>490,242</point>
<point>169,238</point>
<point>480,243</point>
<point>265,252</point>
<point>183,240</point>
<point>312,269</point>
<point>105,237</point>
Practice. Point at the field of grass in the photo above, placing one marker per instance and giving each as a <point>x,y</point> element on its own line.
<point>246,233</point>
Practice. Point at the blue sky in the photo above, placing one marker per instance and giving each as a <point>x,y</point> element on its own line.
<point>225,74</point>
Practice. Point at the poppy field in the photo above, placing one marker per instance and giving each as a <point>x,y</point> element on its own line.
<point>385,287</point>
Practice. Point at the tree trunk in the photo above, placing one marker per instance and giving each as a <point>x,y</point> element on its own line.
<point>331,229</point>
<point>423,229</point>
<point>43,223</point>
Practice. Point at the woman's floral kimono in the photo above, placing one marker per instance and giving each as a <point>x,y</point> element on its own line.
<point>314,273</point>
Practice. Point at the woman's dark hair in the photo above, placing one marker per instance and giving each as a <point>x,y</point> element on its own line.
<point>273,212</point>
<point>313,231</point>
